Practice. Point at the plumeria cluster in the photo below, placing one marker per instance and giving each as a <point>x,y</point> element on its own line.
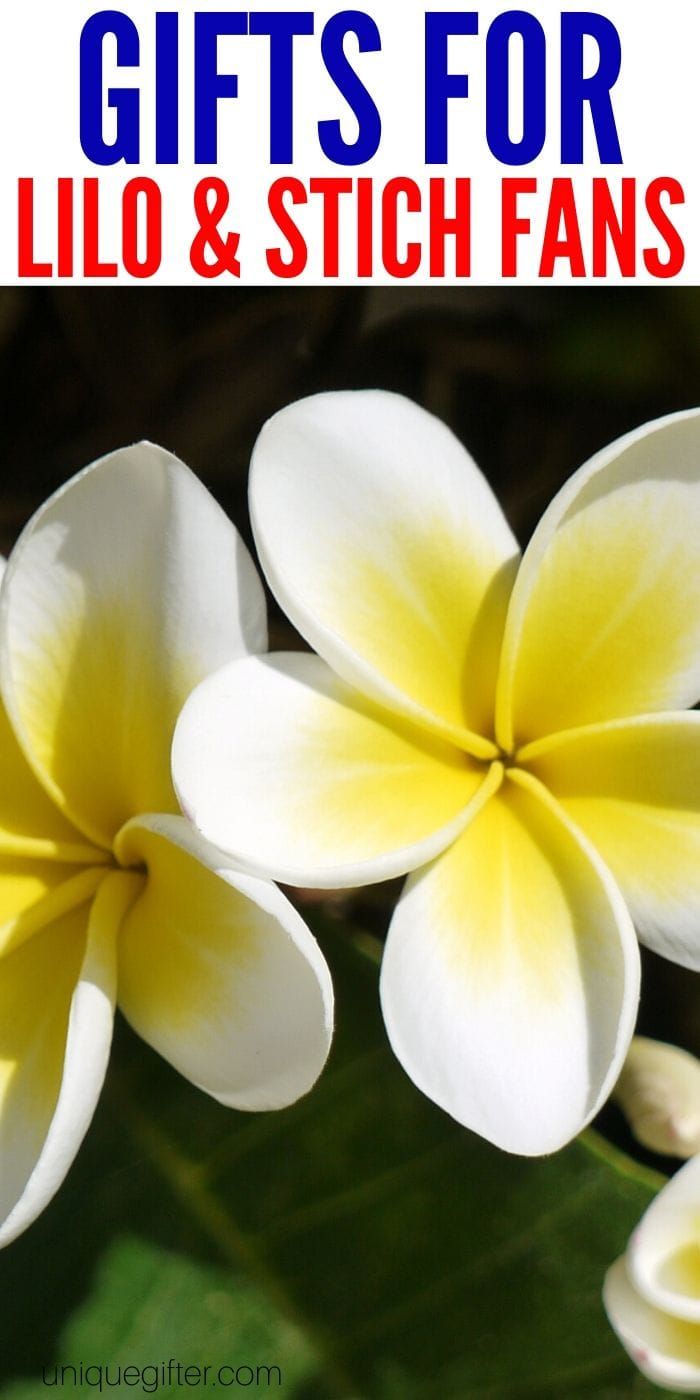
<point>514,734</point>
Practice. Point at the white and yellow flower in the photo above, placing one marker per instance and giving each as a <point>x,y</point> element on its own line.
<point>126,588</point>
<point>512,733</point>
<point>652,1293</point>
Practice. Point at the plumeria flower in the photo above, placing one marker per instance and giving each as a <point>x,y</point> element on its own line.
<point>126,588</point>
<point>659,1093</point>
<point>652,1294</point>
<point>511,732</point>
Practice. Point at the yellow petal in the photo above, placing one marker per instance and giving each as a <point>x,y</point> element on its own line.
<point>388,550</point>
<point>127,587</point>
<point>510,977</point>
<point>634,788</point>
<point>38,847</point>
<point>30,823</point>
<point>34,894</point>
<point>218,972</point>
<point>298,777</point>
<point>604,619</point>
<point>36,987</point>
<point>56,1004</point>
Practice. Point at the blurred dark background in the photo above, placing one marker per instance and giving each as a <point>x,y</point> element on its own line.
<point>532,381</point>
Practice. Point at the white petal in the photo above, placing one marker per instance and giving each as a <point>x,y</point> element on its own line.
<point>298,777</point>
<point>384,544</point>
<point>57,993</point>
<point>510,978</point>
<point>664,1252</point>
<point>633,786</point>
<point>126,588</point>
<point>30,823</point>
<point>665,1349</point>
<point>219,973</point>
<point>604,619</point>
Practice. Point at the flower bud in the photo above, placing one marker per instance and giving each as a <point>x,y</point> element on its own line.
<point>659,1093</point>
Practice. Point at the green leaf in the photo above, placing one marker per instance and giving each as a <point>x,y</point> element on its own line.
<point>360,1241</point>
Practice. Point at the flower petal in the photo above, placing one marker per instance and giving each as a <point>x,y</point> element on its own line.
<point>384,544</point>
<point>219,973</point>
<point>634,788</point>
<point>604,619</point>
<point>510,978</point>
<point>664,1253</point>
<point>126,588</point>
<point>297,776</point>
<point>666,1349</point>
<point>39,850</point>
<point>31,826</point>
<point>56,1007</point>
<point>35,894</point>
<point>37,846</point>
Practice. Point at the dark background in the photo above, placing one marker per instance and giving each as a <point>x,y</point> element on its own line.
<point>532,381</point>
